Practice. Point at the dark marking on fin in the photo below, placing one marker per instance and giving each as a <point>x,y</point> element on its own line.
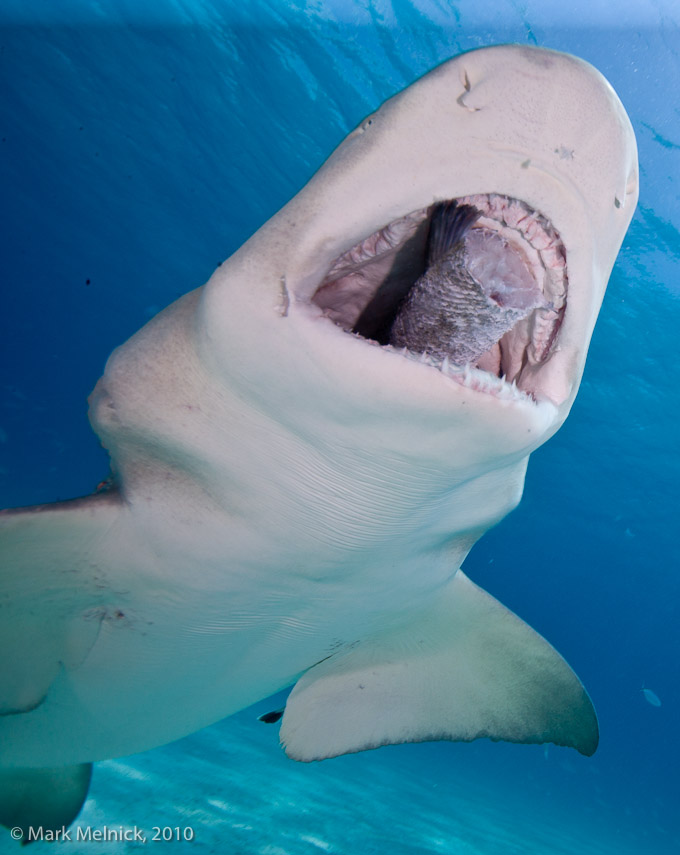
<point>448,225</point>
<point>271,717</point>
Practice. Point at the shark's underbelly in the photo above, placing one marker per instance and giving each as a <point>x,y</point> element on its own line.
<point>224,649</point>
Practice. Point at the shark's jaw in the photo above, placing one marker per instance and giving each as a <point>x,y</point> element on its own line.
<point>538,143</point>
<point>295,321</point>
<point>364,287</point>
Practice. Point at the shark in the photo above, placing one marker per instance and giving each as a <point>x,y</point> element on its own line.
<point>294,486</point>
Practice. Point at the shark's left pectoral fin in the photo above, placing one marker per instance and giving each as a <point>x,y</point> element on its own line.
<point>466,668</point>
<point>54,566</point>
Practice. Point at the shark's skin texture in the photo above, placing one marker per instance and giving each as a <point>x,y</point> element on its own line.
<point>291,502</point>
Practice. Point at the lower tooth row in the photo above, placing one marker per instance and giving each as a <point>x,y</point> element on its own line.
<point>466,375</point>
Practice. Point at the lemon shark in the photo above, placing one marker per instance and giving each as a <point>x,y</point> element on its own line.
<point>294,487</point>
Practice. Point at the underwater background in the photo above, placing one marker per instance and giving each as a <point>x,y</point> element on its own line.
<point>141,144</point>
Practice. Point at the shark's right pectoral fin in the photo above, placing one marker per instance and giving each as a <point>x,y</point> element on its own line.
<point>465,669</point>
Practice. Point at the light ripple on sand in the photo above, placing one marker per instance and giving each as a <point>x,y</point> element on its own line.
<point>241,795</point>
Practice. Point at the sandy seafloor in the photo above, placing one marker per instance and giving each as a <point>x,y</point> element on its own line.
<point>233,791</point>
<point>142,143</point>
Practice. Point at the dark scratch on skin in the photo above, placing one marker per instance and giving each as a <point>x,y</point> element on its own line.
<point>109,615</point>
<point>466,91</point>
<point>106,484</point>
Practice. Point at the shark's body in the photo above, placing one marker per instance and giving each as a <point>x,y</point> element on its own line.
<point>291,502</point>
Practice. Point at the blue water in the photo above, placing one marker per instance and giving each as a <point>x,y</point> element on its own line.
<point>139,149</point>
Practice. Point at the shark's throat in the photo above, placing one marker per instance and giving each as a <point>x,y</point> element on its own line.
<point>474,284</point>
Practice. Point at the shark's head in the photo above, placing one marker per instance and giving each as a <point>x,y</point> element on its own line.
<point>539,142</point>
<point>301,386</point>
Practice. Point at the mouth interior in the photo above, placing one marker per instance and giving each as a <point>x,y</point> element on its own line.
<point>492,332</point>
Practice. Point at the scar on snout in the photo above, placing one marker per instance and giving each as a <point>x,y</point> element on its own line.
<point>284,305</point>
<point>466,90</point>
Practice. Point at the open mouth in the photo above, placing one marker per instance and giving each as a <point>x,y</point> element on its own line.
<point>476,287</point>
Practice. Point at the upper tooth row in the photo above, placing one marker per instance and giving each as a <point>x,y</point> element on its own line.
<point>498,211</point>
<point>516,215</point>
<point>394,234</point>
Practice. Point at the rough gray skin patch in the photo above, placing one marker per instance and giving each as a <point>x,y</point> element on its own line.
<point>447,313</point>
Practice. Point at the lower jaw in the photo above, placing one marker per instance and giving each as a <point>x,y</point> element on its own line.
<point>471,377</point>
